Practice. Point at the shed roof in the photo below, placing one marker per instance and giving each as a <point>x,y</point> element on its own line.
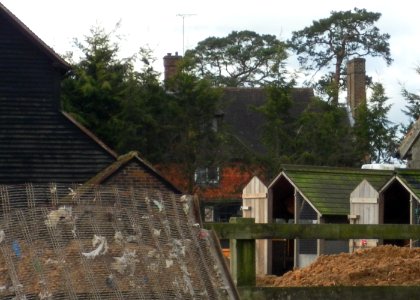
<point>122,161</point>
<point>411,179</point>
<point>328,189</point>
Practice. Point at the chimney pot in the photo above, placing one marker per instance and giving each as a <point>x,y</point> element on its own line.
<point>170,64</point>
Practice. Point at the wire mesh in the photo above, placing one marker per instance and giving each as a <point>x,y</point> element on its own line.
<point>105,242</point>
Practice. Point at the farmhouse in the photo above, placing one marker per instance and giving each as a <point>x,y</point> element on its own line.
<point>220,187</point>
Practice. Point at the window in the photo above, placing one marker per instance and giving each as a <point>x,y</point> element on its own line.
<point>208,214</point>
<point>207,176</point>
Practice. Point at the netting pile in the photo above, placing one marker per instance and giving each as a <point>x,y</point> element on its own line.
<point>105,243</point>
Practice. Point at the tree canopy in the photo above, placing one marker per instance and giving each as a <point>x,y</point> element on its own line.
<point>243,58</point>
<point>134,110</point>
<point>332,41</point>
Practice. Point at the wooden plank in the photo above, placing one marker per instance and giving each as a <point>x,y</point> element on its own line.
<point>314,231</point>
<point>254,196</point>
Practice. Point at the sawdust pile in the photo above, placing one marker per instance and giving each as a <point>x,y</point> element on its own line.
<point>379,266</point>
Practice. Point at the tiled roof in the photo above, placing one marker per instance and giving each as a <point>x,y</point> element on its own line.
<point>328,189</point>
<point>245,122</point>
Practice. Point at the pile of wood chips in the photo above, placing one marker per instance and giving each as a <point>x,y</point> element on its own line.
<point>379,266</point>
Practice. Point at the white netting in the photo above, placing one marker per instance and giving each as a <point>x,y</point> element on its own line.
<point>105,243</point>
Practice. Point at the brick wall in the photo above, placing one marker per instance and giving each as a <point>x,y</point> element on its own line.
<point>133,174</point>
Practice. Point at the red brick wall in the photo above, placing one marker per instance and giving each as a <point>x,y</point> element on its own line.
<point>133,174</point>
<point>233,178</point>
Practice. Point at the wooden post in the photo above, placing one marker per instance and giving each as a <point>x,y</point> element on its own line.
<point>242,257</point>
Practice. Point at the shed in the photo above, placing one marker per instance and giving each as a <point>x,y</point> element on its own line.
<point>255,205</point>
<point>364,209</point>
<point>308,194</point>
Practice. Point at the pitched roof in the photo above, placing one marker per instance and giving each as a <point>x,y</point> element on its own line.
<point>410,178</point>
<point>60,62</point>
<point>121,162</point>
<point>245,122</point>
<point>409,140</point>
<point>328,189</point>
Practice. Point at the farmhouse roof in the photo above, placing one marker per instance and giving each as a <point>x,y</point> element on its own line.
<point>245,122</point>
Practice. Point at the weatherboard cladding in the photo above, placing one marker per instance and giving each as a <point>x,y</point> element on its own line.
<point>38,142</point>
<point>328,189</point>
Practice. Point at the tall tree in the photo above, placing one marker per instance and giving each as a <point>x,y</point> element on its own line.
<point>376,135</point>
<point>143,120</point>
<point>243,58</point>
<point>332,41</point>
<point>412,109</point>
<point>280,126</point>
<point>195,135</point>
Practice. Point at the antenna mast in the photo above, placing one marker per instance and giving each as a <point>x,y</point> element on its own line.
<point>183,16</point>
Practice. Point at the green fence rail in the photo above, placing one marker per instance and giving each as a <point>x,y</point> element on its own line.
<point>246,231</point>
<point>242,233</point>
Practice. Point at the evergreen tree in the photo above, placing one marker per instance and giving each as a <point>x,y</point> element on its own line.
<point>93,92</point>
<point>323,136</point>
<point>376,136</point>
<point>412,109</point>
<point>195,135</point>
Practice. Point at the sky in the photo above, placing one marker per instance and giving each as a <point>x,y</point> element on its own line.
<point>172,26</point>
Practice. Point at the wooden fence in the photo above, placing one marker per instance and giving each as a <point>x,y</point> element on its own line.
<point>242,233</point>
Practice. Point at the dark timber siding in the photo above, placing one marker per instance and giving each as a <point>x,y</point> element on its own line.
<point>37,142</point>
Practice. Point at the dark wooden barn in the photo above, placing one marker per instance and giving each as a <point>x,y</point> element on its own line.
<point>39,143</point>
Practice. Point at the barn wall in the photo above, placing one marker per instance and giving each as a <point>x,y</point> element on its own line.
<point>25,70</point>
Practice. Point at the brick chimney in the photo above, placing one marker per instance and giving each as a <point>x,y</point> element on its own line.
<point>170,64</point>
<point>356,84</point>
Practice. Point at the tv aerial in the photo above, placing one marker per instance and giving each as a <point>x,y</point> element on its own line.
<point>183,16</point>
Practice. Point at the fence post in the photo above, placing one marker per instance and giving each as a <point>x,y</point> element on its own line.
<point>242,257</point>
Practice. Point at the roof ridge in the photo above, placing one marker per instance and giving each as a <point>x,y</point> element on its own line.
<point>328,169</point>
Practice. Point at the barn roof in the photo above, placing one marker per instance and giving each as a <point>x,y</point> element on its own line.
<point>328,189</point>
<point>59,61</point>
<point>245,122</point>
<point>41,144</point>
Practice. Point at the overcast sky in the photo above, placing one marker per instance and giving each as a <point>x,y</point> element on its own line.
<point>155,24</point>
